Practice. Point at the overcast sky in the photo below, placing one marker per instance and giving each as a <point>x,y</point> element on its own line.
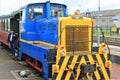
<point>7,6</point>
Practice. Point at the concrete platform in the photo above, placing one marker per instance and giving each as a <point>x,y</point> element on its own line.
<point>115,54</point>
<point>7,64</point>
<point>115,71</point>
<point>10,68</point>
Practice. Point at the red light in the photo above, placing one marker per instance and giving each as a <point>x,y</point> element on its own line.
<point>62,47</point>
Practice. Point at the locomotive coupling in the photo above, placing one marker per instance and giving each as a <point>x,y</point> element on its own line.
<point>85,68</point>
<point>73,71</point>
<point>86,71</point>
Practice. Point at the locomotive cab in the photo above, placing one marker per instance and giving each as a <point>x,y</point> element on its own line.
<point>39,25</point>
<point>34,14</point>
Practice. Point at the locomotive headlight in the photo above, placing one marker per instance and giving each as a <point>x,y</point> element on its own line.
<point>62,52</point>
<point>105,50</point>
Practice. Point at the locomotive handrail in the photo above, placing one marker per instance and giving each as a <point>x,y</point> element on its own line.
<point>83,41</point>
<point>106,44</point>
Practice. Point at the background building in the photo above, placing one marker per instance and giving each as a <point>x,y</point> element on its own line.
<point>105,17</point>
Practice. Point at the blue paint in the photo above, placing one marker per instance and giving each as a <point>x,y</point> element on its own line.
<point>39,27</point>
<point>37,52</point>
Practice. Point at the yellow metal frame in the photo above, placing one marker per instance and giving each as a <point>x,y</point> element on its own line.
<point>69,21</point>
<point>101,60</point>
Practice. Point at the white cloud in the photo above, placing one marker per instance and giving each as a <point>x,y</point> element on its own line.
<point>110,4</point>
<point>104,5</point>
<point>7,6</point>
<point>91,6</point>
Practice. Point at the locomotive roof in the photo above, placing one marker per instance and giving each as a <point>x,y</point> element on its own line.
<point>41,3</point>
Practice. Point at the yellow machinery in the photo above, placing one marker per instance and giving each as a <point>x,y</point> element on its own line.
<point>75,59</point>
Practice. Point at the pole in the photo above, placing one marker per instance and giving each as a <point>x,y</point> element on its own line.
<point>98,27</point>
<point>0,6</point>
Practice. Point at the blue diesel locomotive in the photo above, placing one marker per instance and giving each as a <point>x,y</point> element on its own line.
<point>39,25</point>
<point>58,46</point>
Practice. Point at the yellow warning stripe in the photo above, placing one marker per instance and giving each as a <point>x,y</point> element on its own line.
<point>71,66</point>
<point>82,61</point>
<point>78,68</point>
<point>102,66</point>
<point>63,66</point>
<point>72,60</point>
<point>96,72</point>
<point>106,56</point>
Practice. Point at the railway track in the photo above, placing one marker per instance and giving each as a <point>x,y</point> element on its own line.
<point>109,40</point>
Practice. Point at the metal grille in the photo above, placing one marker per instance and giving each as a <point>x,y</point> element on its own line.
<point>77,39</point>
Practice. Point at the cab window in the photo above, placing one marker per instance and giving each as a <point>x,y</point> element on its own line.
<point>35,12</point>
<point>57,11</point>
